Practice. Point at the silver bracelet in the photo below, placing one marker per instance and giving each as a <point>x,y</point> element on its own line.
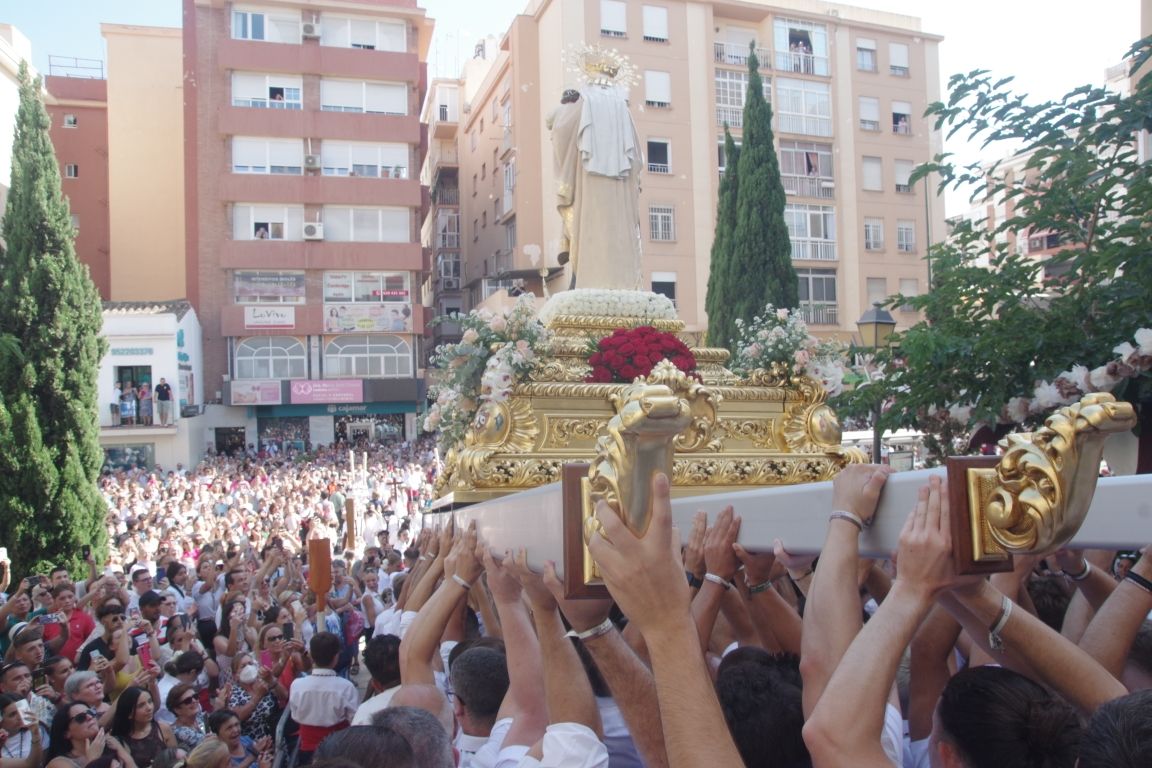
<point>602,628</point>
<point>995,642</point>
<point>841,514</point>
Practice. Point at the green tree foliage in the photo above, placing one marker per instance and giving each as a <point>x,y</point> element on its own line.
<point>50,456</point>
<point>757,266</point>
<point>996,320</point>
<point>720,325</point>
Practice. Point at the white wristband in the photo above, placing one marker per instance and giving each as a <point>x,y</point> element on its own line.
<point>995,642</point>
<point>718,580</point>
<point>461,581</point>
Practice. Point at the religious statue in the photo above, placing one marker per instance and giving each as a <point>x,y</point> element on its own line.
<point>597,163</point>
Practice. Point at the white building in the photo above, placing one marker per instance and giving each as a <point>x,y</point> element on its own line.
<point>148,342</point>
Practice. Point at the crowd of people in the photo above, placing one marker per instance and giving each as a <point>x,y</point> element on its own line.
<point>202,642</point>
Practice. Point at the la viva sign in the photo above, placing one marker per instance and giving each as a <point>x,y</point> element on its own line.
<point>270,317</point>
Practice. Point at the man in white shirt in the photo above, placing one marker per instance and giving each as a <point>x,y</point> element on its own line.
<point>382,658</point>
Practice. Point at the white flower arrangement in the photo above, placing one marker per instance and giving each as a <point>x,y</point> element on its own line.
<point>642,305</point>
<point>778,339</point>
<point>494,352</point>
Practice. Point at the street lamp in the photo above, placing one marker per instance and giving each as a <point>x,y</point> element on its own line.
<point>875,327</point>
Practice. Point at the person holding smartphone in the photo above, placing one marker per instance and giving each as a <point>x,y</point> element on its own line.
<point>73,626</point>
<point>23,747</point>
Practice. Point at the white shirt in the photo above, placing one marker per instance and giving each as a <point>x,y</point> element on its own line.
<point>323,699</point>
<point>378,703</point>
<point>569,745</point>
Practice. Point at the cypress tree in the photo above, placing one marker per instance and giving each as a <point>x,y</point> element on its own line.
<point>759,270</point>
<point>50,455</point>
<point>720,325</point>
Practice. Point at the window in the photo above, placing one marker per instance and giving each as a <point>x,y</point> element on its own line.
<point>447,229</point>
<point>448,265</point>
<point>367,225</point>
<point>731,93</point>
<point>801,46</point>
<point>367,34</point>
<point>664,283</point>
<point>865,54</point>
<point>906,236</point>
<point>483,171</point>
<point>268,287</point>
<point>877,290</point>
<point>364,159</point>
<point>271,357</point>
<point>657,89</point>
<point>268,26</point>
<point>873,234</point>
<point>74,219</point>
<point>658,156</point>
<point>721,158</point>
<point>898,59</point>
<point>806,169</point>
<point>70,121</point>
<point>471,139</point>
<point>381,356</point>
<point>655,24</point>
<point>510,235</point>
<point>367,97</point>
<point>817,293</point>
<point>250,89</point>
<point>869,113</point>
<point>909,287</point>
<point>805,106</point>
<point>366,287</point>
<point>267,222</point>
<point>661,223</point>
<point>71,171</point>
<point>613,18</point>
<point>275,156</point>
<point>872,175</point>
<point>484,220</point>
<point>812,229</point>
<point>903,174</point>
<point>901,118</point>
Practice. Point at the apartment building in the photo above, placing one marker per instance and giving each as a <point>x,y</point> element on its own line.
<point>848,88</point>
<point>304,208</point>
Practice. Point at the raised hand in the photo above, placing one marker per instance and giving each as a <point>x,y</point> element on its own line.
<point>719,557</point>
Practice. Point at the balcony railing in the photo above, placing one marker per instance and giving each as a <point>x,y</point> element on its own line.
<point>813,250</point>
<point>805,124</point>
<point>732,116</point>
<point>869,125</point>
<point>447,196</point>
<point>808,186</point>
<point>819,313</point>
<point>736,54</point>
<point>658,168</point>
<point>901,127</point>
<point>502,262</point>
<point>805,63</point>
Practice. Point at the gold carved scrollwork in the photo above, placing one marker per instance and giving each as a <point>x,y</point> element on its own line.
<point>783,470</point>
<point>1047,479</point>
<point>637,444</point>
<point>507,427</point>
<point>760,432</point>
<point>561,432</point>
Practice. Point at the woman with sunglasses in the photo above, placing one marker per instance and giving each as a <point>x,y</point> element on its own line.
<point>135,725</point>
<point>76,739</point>
<point>280,654</point>
<point>23,744</point>
<point>189,727</point>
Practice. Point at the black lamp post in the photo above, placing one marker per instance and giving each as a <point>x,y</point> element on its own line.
<point>876,327</point>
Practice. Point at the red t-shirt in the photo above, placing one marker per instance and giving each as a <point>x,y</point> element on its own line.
<point>80,625</point>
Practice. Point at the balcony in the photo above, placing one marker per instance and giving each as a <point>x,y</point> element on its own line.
<point>733,117</point>
<point>808,186</point>
<point>446,196</point>
<point>502,262</point>
<point>448,240</point>
<point>819,313</point>
<point>806,249</point>
<point>736,55</point>
<point>661,168</point>
<point>804,63</point>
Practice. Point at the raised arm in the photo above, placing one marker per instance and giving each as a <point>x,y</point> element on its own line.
<point>720,563</point>
<point>646,577</point>
<point>832,614</point>
<point>422,639</point>
<point>846,723</point>
<point>1109,637</point>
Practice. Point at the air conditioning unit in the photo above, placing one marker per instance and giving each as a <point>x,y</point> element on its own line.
<point>313,230</point>
<point>451,284</point>
<point>310,30</point>
<point>312,162</point>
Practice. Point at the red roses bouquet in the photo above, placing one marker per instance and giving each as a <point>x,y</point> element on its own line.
<point>632,352</point>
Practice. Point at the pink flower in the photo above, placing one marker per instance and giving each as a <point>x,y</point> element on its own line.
<point>498,324</point>
<point>470,336</point>
<point>801,357</point>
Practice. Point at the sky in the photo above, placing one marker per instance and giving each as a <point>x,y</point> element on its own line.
<point>1049,47</point>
